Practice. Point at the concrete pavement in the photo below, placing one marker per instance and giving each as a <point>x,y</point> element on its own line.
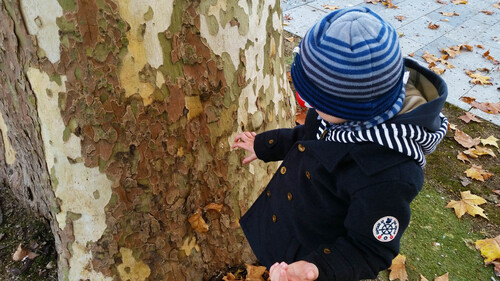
<point>471,26</point>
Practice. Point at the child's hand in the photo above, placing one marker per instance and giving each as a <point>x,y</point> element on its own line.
<point>245,140</point>
<point>297,271</point>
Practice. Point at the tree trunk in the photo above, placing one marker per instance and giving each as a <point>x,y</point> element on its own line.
<point>116,120</point>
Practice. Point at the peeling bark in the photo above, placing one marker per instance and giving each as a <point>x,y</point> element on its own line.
<point>134,125</point>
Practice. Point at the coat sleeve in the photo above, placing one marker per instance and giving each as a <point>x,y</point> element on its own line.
<point>274,144</point>
<point>359,254</point>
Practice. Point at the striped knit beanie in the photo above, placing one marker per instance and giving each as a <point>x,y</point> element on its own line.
<point>350,66</point>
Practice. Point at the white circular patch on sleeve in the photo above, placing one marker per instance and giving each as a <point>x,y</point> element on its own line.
<point>385,229</point>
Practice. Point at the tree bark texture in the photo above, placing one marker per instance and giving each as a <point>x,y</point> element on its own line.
<point>117,119</point>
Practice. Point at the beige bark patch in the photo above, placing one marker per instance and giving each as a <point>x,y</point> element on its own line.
<point>76,183</point>
<point>131,269</point>
<point>193,104</point>
<point>40,19</point>
<point>10,153</point>
<point>144,46</point>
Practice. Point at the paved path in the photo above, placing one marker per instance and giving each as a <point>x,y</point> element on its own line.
<point>471,27</point>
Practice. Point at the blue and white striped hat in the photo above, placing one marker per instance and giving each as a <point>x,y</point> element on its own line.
<point>350,66</point>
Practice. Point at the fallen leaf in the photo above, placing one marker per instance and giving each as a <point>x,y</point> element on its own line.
<point>389,4</point>
<point>469,117</point>
<point>458,2</point>
<point>492,108</point>
<point>254,273</point>
<point>496,268</point>
<point>435,69</point>
<point>398,268</point>
<point>491,140</point>
<point>288,17</point>
<point>465,181</point>
<point>445,20</point>
<point>450,14</point>
<point>400,17</point>
<point>214,207</point>
<point>230,277</point>
<point>372,1</point>
<point>451,51</point>
<point>429,58</point>
<point>331,7</point>
<point>290,39</point>
<point>468,204</point>
<point>479,79</point>
<point>441,2</point>
<point>22,253</point>
<point>480,46</point>
<point>422,278</point>
<point>452,126</point>
<point>411,54</point>
<point>478,173</point>
<point>489,13</point>
<point>463,157</point>
<point>433,26</point>
<point>466,47</point>
<point>490,58</point>
<point>443,277</point>
<point>490,249</point>
<point>468,100</point>
<point>496,191</point>
<point>478,151</point>
<point>465,140</point>
<point>197,222</point>
<point>497,5</point>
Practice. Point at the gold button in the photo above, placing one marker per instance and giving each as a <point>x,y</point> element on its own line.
<point>268,193</point>
<point>301,147</point>
<point>327,251</point>
<point>290,196</point>
<point>308,175</point>
<point>283,170</point>
<point>271,141</point>
<point>274,218</point>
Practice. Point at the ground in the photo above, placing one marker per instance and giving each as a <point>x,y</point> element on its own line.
<point>435,243</point>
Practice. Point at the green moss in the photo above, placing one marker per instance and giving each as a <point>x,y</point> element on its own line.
<point>438,242</point>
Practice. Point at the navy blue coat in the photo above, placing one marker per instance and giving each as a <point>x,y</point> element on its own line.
<point>340,206</point>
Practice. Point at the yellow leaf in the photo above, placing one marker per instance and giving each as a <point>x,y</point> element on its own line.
<point>468,204</point>
<point>290,39</point>
<point>254,273</point>
<point>477,78</point>
<point>451,51</point>
<point>450,14</point>
<point>478,151</point>
<point>463,157</point>
<point>491,140</point>
<point>398,268</point>
<point>429,58</point>
<point>331,7</point>
<point>458,2</point>
<point>443,277</point>
<point>490,249</point>
<point>197,222</point>
<point>477,173</point>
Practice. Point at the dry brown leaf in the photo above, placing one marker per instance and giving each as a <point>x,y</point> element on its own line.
<point>288,17</point>
<point>445,20</point>
<point>458,2</point>
<point>331,7</point>
<point>197,222</point>
<point>422,278</point>
<point>479,79</point>
<point>442,2</point>
<point>490,249</point>
<point>214,206</point>
<point>290,39</point>
<point>492,108</point>
<point>398,268</point>
<point>469,204</point>
<point>465,140</point>
<point>429,58</point>
<point>400,17</point>
<point>389,4</point>
<point>466,47</point>
<point>496,191</point>
<point>452,126</point>
<point>463,157</point>
<point>489,13</point>
<point>469,117</point>
<point>443,277</point>
<point>497,5</point>
<point>438,70</point>
<point>450,14</point>
<point>451,51</point>
<point>254,273</point>
<point>478,173</point>
<point>496,268</point>
<point>411,54</point>
<point>22,253</point>
<point>433,26</point>
<point>491,140</point>
<point>480,46</point>
<point>230,277</point>
<point>372,1</point>
<point>468,100</point>
<point>490,58</point>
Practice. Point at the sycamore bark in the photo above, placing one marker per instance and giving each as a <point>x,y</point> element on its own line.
<point>116,121</point>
